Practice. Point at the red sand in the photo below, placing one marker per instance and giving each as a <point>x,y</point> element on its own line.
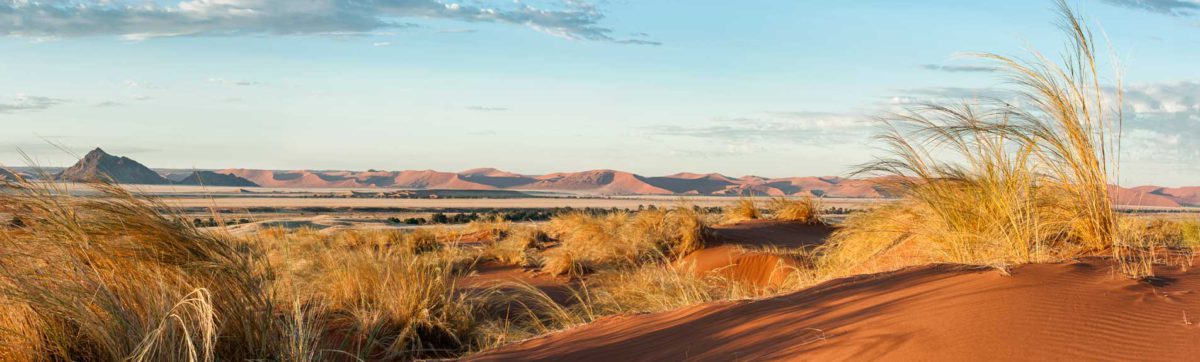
<point>1071,311</point>
<point>757,268</point>
<point>489,275</point>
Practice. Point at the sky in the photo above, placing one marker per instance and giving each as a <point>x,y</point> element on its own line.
<point>771,88</point>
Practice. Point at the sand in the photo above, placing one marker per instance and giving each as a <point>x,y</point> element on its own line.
<point>732,256</point>
<point>496,275</point>
<point>1068,311</point>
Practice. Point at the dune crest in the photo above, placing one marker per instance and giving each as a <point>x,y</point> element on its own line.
<point>1068,311</point>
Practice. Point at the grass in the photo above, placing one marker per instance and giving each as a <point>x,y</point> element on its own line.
<point>804,210</point>
<point>997,182</point>
<point>743,209</point>
<point>119,277</point>
<point>623,239</point>
<point>113,278</point>
<point>984,182</point>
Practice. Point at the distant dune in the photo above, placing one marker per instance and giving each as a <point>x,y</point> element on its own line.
<point>599,181</point>
<point>209,178</point>
<point>595,182</point>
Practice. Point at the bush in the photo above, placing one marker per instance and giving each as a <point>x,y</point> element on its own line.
<point>805,210</point>
<point>995,182</point>
<point>742,210</point>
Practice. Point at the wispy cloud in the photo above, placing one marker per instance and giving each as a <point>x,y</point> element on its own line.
<point>138,20</point>
<point>775,127</point>
<point>1165,7</point>
<point>241,83</point>
<point>1163,123</point>
<point>958,68</point>
<point>487,108</point>
<point>945,94</point>
<point>23,102</point>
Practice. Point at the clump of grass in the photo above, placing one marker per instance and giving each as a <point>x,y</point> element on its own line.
<point>520,247</point>
<point>495,228</point>
<point>113,278</point>
<point>656,288</point>
<point>118,277</point>
<point>566,262</point>
<point>996,182</point>
<point>392,305</point>
<point>804,210</point>
<point>742,210</point>
<point>1190,233</point>
<point>621,239</point>
<point>414,241</point>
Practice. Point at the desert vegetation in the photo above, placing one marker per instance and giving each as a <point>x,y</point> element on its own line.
<point>982,183</point>
<point>114,277</point>
<point>1003,181</point>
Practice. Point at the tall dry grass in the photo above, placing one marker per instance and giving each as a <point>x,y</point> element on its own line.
<point>623,239</point>
<point>804,210</point>
<point>120,277</point>
<point>998,181</point>
<point>113,278</point>
<point>743,209</point>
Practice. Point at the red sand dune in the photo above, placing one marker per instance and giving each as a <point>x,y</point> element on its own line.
<point>611,182</point>
<point>598,181</point>
<point>1065,312</point>
<point>1135,197</point>
<point>727,256</point>
<point>759,269</point>
<point>786,234</point>
<point>1189,196</point>
<point>492,275</point>
<point>429,179</point>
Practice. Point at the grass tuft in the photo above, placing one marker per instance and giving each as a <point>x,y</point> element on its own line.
<point>804,210</point>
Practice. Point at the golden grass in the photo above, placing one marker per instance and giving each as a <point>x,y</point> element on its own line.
<point>623,239</point>
<point>118,277</point>
<point>996,182</point>
<point>742,210</point>
<point>519,246</point>
<point>113,278</point>
<point>805,210</point>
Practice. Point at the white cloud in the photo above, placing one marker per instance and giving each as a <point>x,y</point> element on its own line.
<point>776,128</point>
<point>1165,7</point>
<point>140,20</point>
<point>242,83</point>
<point>22,102</point>
<point>487,108</point>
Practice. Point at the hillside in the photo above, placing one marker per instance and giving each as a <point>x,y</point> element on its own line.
<point>596,182</point>
<point>209,178</point>
<point>99,165</point>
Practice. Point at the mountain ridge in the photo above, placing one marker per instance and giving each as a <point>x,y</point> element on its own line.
<point>597,182</point>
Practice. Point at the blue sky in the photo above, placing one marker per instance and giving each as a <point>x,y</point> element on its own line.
<point>772,88</point>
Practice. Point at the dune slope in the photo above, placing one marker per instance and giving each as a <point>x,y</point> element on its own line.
<point>1069,311</point>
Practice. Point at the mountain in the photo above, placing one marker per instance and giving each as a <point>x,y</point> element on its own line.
<point>496,178</point>
<point>1189,196</point>
<point>294,179</point>
<point>597,182</point>
<point>692,183</point>
<point>98,165</point>
<point>605,182</point>
<point>209,178</point>
<point>429,179</point>
<point>6,175</point>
